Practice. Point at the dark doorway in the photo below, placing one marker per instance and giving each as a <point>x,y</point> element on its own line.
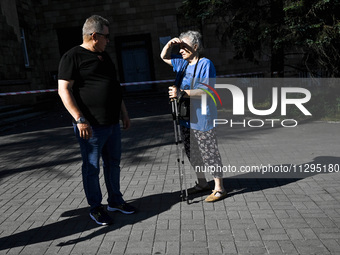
<point>134,55</point>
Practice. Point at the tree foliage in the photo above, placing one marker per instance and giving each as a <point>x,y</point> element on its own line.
<point>257,27</point>
<point>314,26</point>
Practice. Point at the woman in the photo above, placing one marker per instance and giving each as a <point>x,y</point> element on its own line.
<point>193,71</point>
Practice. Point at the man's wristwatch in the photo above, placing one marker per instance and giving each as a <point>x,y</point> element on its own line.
<point>81,120</point>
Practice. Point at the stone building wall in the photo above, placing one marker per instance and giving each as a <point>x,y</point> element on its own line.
<point>49,24</point>
<point>131,18</point>
<point>154,17</point>
<point>12,60</point>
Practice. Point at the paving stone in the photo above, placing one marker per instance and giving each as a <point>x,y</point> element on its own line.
<point>310,247</point>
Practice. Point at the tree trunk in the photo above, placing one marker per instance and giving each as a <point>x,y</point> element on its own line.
<point>277,53</point>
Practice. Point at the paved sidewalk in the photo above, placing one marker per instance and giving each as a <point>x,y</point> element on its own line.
<point>43,209</point>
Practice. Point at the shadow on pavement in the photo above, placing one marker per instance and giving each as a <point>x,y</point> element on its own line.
<point>77,221</point>
<point>30,151</point>
<point>139,105</point>
<point>251,182</point>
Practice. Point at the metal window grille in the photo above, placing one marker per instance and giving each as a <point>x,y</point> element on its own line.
<point>24,48</point>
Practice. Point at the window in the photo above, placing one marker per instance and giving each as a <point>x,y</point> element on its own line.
<point>24,48</point>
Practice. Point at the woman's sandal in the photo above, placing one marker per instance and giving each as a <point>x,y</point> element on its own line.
<point>215,196</point>
<point>198,189</point>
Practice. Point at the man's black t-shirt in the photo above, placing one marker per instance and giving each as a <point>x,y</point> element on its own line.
<point>96,89</point>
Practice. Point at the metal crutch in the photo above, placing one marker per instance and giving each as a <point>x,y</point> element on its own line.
<point>178,141</point>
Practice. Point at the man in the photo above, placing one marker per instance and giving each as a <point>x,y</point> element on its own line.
<point>88,87</point>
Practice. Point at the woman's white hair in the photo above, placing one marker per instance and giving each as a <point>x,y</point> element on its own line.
<point>195,37</point>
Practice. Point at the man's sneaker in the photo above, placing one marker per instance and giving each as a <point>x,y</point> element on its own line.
<point>123,208</point>
<point>100,216</point>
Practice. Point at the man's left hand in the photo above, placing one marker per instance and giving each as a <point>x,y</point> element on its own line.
<point>126,122</point>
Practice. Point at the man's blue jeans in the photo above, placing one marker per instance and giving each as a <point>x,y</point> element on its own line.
<point>106,143</point>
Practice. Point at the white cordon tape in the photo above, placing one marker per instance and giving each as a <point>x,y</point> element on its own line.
<point>27,92</point>
<point>122,84</point>
<point>145,82</point>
